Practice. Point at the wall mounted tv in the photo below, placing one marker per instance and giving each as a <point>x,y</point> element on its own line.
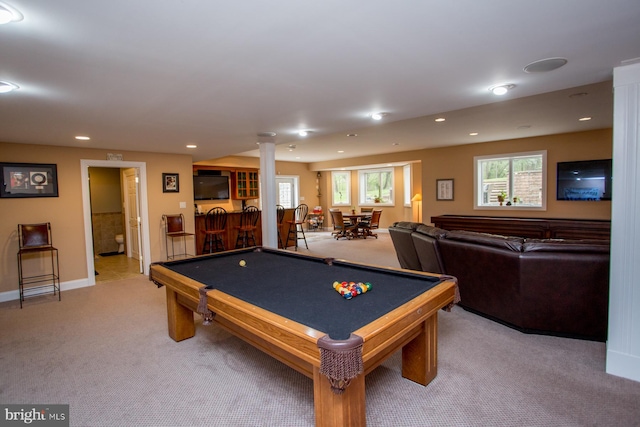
<point>588,180</point>
<point>210,187</point>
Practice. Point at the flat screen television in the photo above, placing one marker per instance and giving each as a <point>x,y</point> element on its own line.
<point>588,180</point>
<point>210,187</point>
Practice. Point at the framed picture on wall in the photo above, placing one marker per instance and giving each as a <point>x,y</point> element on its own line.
<point>29,180</point>
<point>444,189</point>
<point>170,183</point>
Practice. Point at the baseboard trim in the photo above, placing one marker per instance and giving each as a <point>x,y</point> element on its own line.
<point>64,286</point>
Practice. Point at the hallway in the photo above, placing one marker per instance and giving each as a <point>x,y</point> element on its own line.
<point>115,267</point>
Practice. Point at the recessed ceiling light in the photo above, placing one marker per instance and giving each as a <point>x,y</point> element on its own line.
<point>501,89</point>
<point>291,147</point>
<point>192,146</point>
<point>396,143</point>
<point>584,119</point>
<point>83,138</point>
<point>304,132</point>
<point>340,151</point>
<point>9,14</point>
<point>267,134</point>
<point>544,65</point>
<point>378,116</point>
<point>440,119</point>
<point>7,87</point>
<point>473,134</point>
<point>352,134</point>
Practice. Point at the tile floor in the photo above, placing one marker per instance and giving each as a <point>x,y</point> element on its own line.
<point>115,267</point>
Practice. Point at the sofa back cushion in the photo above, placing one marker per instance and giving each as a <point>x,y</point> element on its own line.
<point>425,241</point>
<point>494,240</point>
<point>400,233</point>
<point>565,245</point>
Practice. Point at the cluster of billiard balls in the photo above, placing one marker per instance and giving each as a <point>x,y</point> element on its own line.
<point>351,289</point>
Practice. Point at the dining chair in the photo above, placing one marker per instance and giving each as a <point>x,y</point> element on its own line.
<point>373,224</point>
<point>215,226</point>
<point>340,229</point>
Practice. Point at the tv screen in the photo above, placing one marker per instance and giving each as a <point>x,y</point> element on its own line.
<point>588,180</point>
<point>210,187</point>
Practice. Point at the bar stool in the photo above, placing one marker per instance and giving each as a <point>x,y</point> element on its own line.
<point>248,225</point>
<point>296,225</point>
<point>280,217</point>
<point>215,223</point>
<point>35,240</point>
<point>174,229</point>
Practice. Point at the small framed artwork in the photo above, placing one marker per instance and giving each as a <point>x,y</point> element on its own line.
<point>21,180</point>
<point>170,183</point>
<point>444,189</point>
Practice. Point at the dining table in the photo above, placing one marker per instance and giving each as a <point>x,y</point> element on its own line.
<point>355,219</point>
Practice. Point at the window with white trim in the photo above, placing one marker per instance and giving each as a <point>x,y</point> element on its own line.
<point>406,177</point>
<point>376,186</point>
<point>515,180</point>
<point>341,188</point>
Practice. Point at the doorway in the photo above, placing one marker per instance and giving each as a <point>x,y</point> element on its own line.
<point>137,236</point>
<point>287,193</point>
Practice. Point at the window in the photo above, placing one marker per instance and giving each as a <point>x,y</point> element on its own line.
<point>376,186</point>
<point>513,180</point>
<point>406,177</point>
<point>341,188</point>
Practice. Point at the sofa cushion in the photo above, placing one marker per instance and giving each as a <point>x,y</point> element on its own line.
<point>400,233</point>
<point>494,240</point>
<point>566,245</point>
<point>431,231</point>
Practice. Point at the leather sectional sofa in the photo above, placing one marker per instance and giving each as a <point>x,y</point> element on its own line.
<point>547,286</point>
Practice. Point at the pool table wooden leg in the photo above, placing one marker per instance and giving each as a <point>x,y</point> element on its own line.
<point>346,409</point>
<point>420,356</point>
<point>180,318</point>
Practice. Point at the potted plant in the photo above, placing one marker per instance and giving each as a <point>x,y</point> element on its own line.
<point>501,197</point>
<point>377,200</point>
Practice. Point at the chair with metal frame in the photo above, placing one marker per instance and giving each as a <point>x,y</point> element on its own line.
<point>296,225</point>
<point>174,229</point>
<point>248,225</point>
<point>34,240</point>
<point>215,225</point>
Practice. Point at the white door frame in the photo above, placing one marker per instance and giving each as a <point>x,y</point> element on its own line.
<point>85,164</point>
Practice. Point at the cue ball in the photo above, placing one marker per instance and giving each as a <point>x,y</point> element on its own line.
<point>242,263</point>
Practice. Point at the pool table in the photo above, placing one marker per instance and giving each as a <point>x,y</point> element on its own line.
<point>284,304</point>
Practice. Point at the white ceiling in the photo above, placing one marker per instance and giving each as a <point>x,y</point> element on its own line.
<point>157,75</point>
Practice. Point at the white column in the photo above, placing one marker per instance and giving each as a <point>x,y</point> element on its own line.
<point>269,202</point>
<point>623,345</point>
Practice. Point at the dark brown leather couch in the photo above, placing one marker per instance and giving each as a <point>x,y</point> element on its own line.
<point>547,286</point>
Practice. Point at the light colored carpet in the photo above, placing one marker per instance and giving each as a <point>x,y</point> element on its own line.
<point>105,351</point>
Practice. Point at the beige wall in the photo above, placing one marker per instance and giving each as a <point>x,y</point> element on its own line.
<point>65,213</point>
<point>457,163</point>
<point>66,216</point>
